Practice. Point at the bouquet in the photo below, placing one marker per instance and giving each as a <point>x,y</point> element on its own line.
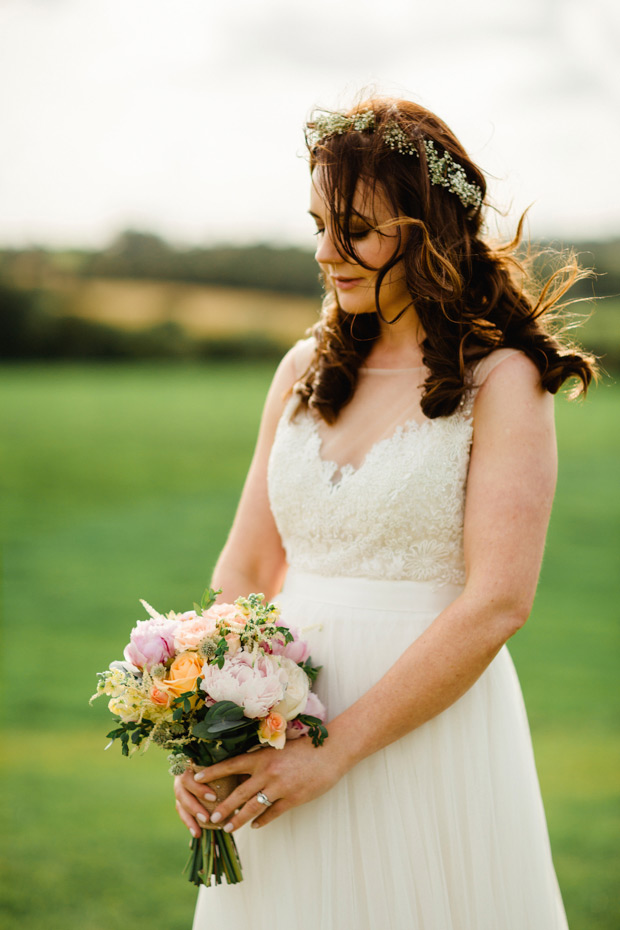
<point>211,683</point>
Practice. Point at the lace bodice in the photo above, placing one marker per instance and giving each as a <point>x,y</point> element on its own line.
<point>398,514</point>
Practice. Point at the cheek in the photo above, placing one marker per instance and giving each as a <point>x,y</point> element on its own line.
<point>380,252</point>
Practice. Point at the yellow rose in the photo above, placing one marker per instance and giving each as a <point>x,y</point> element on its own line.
<point>183,673</point>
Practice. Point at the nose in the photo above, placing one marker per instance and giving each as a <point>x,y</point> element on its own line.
<point>327,251</point>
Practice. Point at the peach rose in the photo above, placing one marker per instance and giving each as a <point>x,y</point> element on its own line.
<point>184,671</point>
<point>230,614</point>
<point>234,643</point>
<point>158,696</point>
<point>190,633</point>
<point>272,730</point>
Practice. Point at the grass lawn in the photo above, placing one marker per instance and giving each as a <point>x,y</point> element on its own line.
<point>120,483</point>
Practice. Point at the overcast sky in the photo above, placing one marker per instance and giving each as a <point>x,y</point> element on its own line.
<point>185,117</point>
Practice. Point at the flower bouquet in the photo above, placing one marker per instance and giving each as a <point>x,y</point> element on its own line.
<point>211,683</point>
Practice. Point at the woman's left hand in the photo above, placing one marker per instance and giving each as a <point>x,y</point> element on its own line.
<point>288,777</point>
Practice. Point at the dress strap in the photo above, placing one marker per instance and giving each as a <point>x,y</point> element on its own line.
<point>485,366</point>
<point>480,373</point>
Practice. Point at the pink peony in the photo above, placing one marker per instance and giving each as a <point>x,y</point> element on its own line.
<point>314,708</point>
<point>191,632</point>
<point>298,650</point>
<point>256,688</point>
<point>151,643</point>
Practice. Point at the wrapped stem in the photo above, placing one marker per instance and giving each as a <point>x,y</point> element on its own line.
<point>213,855</point>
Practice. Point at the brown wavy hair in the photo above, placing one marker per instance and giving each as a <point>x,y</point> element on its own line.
<point>470,297</point>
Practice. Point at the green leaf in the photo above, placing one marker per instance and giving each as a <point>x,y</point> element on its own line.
<point>224,709</point>
<point>225,717</point>
<point>208,598</point>
<point>317,730</point>
<point>221,727</point>
<point>311,670</point>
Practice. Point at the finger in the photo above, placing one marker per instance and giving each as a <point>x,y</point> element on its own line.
<point>253,808</point>
<point>192,805</point>
<point>188,820</point>
<point>235,800</point>
<point>279,807</point>
<point>201,791</point>
<point>235,765</point>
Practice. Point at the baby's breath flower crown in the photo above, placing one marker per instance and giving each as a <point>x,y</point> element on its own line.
<point>443,170</point>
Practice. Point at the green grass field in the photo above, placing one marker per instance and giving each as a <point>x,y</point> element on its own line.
<point>120,483</point>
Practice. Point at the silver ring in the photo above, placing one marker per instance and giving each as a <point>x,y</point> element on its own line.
<point>262,798</point>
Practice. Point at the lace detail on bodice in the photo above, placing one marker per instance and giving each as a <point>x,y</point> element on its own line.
<point>399,515</point>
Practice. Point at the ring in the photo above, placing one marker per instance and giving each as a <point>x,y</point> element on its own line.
<point>262,798</point>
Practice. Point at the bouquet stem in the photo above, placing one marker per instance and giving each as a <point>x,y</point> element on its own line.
<point>214,853</point>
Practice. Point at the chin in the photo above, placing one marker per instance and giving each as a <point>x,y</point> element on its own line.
<point>352,310</point>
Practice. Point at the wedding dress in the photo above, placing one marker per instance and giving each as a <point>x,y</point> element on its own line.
<point>444,829</point>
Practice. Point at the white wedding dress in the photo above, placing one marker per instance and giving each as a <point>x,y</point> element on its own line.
<point>444,829</point>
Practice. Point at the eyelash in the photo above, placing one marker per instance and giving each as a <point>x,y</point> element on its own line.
<point>359,235</point>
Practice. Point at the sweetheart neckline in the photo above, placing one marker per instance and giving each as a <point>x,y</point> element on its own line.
<point>331,468</point>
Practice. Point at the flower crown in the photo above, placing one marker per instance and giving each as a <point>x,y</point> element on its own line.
<point>443,171</point>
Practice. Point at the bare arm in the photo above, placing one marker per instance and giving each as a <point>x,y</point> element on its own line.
<point>253,559</point>
<point>509,494</point>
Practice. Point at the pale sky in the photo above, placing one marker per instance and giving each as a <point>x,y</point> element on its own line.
<point>185,117</point>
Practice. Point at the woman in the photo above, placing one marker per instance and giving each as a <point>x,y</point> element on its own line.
<point>400,490</point>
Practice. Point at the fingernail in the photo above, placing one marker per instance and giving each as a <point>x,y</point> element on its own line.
<point>228,828</point>
<point>216,817</point>
<point>195,834</point>
<point>198,776</point>
<point>201,818</point>
<point>210,797</point>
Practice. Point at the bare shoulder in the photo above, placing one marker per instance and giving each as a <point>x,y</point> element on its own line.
<point>288,372</point>
<point>510,483</point>
<point>302,354</point>
<point>514,428</point>
<point>509,387</point>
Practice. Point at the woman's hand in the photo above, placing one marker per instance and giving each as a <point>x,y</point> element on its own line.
<point>288,777</point>
<point>190,797</point>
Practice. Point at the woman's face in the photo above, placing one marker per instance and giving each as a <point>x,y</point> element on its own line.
<point>374,243</point>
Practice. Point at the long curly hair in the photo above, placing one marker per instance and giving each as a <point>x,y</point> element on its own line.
<point>470,297</point>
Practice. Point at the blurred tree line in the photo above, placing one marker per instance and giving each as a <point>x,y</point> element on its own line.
<point>35,325</point>
<point>146,256</point>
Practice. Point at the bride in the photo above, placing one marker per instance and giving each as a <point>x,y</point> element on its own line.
<point>397,505</point>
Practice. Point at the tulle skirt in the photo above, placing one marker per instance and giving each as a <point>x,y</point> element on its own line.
<point>442,830</point>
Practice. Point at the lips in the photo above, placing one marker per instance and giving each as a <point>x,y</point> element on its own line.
<point>344,283</point>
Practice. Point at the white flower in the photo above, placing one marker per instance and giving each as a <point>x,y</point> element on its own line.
<point>297,686</point>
